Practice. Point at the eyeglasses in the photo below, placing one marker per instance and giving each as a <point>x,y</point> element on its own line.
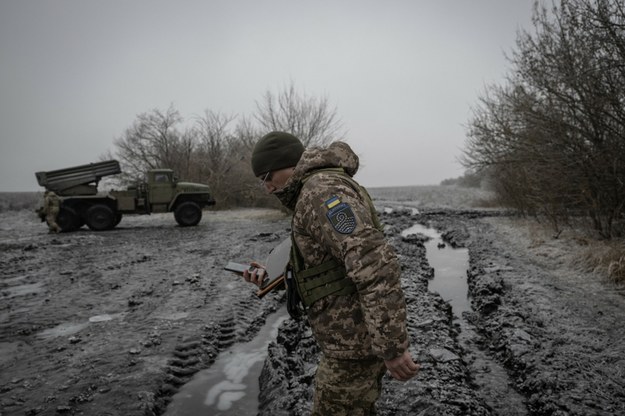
<point>268,176</point>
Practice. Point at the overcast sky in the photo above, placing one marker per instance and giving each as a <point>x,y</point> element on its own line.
<point>403,74</point>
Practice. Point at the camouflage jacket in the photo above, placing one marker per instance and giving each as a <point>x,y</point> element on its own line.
<point>333,219</point>
<point>51,203</point>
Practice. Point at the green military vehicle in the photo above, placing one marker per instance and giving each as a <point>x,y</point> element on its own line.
<point>82,203</point>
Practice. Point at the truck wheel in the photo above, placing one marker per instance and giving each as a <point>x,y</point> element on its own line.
<point>67,219</point>
<point>100,217</point>
<point>188,214</point>
<point>118,218</point>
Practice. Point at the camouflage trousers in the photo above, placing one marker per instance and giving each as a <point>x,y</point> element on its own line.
<point>347,387</point>
<point>52,225</point>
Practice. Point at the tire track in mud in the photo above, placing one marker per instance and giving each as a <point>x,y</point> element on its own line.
<point>493,384</point>
<point>162,304</point>
<point>444,385</point>
<point>235,317</point>
<point>31,282</point>
<point>236,325</point>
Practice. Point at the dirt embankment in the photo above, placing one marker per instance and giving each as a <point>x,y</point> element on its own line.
<point>114,323</point>
<point>558,331</point>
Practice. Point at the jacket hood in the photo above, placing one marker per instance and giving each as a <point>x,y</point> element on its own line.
<point>336,155</point>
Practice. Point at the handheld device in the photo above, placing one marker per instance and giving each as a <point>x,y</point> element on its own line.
<point>238,268</point>
<point>276,265</point>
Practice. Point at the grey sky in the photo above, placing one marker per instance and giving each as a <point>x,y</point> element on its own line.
<point>74,74</point>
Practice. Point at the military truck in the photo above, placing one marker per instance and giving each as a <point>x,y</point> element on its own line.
<point>82,203</point>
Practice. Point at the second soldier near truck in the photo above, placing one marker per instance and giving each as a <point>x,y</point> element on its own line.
<point>345,275</point>
<point>51,207</point>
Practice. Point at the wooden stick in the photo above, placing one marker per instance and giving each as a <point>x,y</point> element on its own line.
<point>270,286</point>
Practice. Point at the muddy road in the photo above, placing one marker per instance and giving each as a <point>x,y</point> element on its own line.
<point>115,323</point>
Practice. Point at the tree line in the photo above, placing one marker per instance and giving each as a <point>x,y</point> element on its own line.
<point>216,148</point>
<point>551,139</point>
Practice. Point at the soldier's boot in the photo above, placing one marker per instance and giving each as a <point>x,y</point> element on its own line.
<point>54,229</point>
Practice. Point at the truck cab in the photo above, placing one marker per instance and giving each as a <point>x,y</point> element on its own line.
<point>161,189</point>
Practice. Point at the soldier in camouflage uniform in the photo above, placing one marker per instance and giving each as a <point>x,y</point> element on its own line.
<point>51,208</point>
<point>345,273</point>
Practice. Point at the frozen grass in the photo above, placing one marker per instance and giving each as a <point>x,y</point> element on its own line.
<point>587,251</point>
<point>606,258</point>
<point>16,201</point>
<point>576,249</point>
<point>434,196</point>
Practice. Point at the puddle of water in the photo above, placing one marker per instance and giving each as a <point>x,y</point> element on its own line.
<point>70,328</point>
<point>12,280</point>
<point>22,290</point>
<point>230,385</point>
<point>62,330</point>
<point>450,269</point>
<point>105,317</point>
<point>9,314</point>
<point>100,318</point>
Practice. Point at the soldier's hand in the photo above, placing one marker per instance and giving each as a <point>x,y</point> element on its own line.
<point>402,368</point>
<point>256,276</point>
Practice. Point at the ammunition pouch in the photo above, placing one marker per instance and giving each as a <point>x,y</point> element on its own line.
<point>314,283</point>
<point>329,278</point>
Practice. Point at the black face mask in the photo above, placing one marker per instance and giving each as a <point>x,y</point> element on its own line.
<point>288,195</point>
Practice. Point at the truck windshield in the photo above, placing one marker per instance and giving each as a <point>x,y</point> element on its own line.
<point>161,177</point>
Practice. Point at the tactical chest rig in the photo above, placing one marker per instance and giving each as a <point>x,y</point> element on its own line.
<point>305,285</point>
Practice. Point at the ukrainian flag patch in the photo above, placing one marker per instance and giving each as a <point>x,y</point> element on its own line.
<point>340,215</point>
<point>332,202</point>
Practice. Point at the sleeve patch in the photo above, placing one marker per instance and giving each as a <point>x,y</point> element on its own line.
<point>332,202</point>
<point>341,216</point>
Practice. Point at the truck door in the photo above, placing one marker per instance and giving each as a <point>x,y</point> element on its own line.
<point>161,190</point>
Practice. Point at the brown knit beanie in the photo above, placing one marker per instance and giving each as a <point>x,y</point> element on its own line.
<point>274,151</point>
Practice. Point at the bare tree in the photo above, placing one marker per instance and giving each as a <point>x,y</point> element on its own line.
<point>555,132</point>
<point>218,159</point>
<point>311,119</point>
<point>154,141</point>
<point>212,152</point>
